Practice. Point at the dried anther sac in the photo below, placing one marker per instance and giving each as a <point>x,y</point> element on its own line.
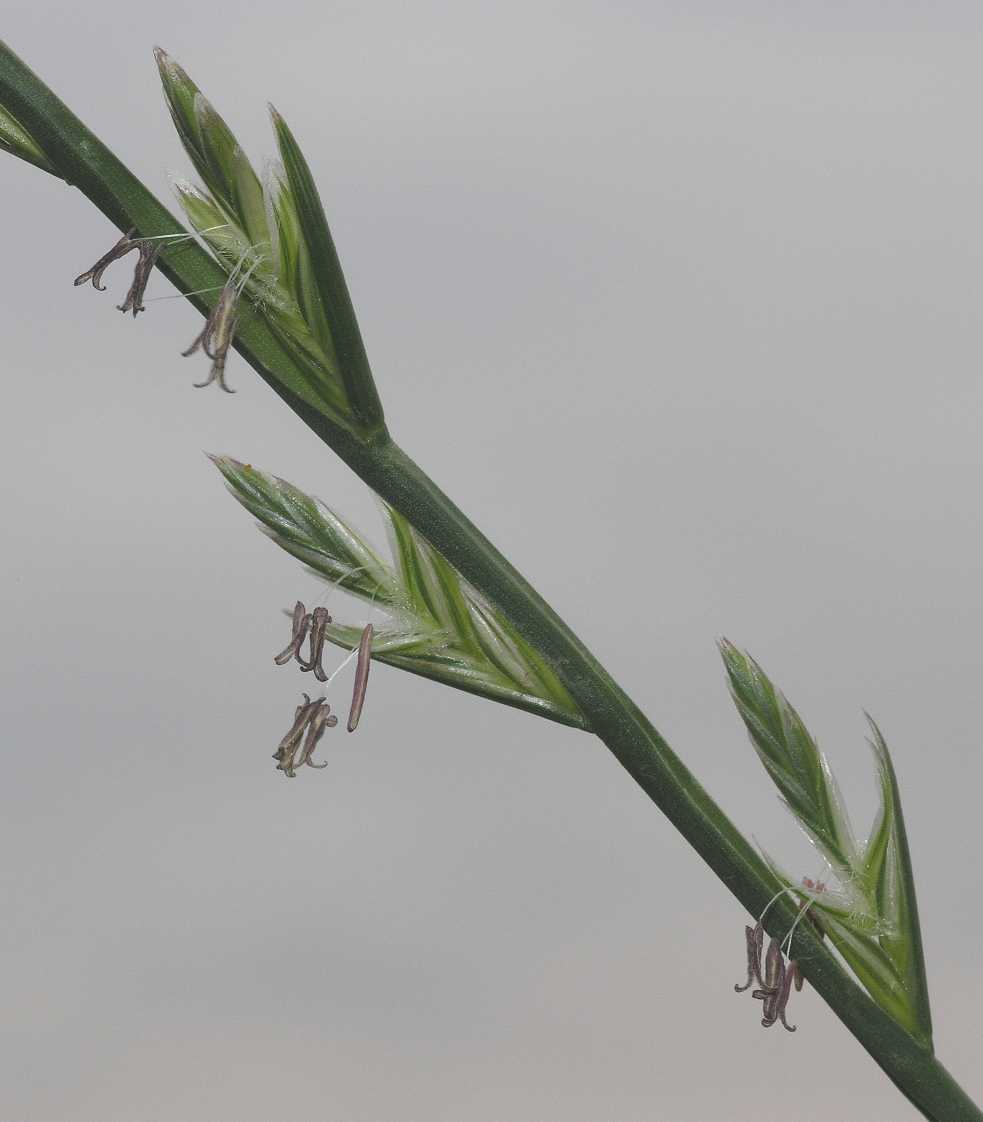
<point>320,618</point>
<point>301,624</point>
<point>362,665</point>
<point>120,249</point>
<point>775,982</point>
<point>316,624</point>
<point>755,937</point>
<point>311,718</point>
<point>216,336</point>
<point>774,1001</point>
<point>141,275</point>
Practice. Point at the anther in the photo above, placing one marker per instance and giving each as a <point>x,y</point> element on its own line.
<point>323,718</point>
<point>284,755</point>
<point>776,982</point>
<point>312,718</point>
<point>755,937</point>
<point>772,985</point>
<point>216,336</point>
<point>141,276</point>
<point>120,249</point>
<point>320,618</point>
<point>301,622</point>
<point>361,677</point>
<point>781,998</point>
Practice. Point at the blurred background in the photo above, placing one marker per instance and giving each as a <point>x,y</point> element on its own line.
<point>681,302</point>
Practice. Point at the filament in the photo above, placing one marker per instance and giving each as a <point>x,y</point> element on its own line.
<point>781,892</point>
<point>787,941</point>
<point>179,237</point>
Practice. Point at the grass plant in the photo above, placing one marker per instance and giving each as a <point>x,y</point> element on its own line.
<point>257,259</point>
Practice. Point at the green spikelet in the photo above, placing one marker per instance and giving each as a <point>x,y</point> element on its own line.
<point>440,627</point>
<point>873,920</point>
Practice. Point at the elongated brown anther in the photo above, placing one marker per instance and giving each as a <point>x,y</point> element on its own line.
<point>216,336</point>
<point>287,748</point>
<point>301,622</point>
<point>773,977</point>
<point>777,986</point>
<point>362,664</point>
<point>781,998</point>
<point>320,618</point>
<point>322,719</point>
<point>296,748</point>
<point>754,936</point>
<point>141,275</point>
<point>120,249</point>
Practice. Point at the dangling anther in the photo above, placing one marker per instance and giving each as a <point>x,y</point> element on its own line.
<point>322,719</point>
<point>320,618</point>
<point>284,755</point>
<point>141,275</point>
<point>310,716</point>
<point>120,249</point>
<point>301,622</point>
<point>771,987</point>
<point>216,336</point>
<point>779,1000</point>
<point>755,937</point>
<point>362,665</point>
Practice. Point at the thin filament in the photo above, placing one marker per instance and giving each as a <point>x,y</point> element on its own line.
<point>787,941</point>
<point>178,237</point>
<point>781,892</point>
<point>182,295</point>
<point>354,652</point>
<point>335,674</point>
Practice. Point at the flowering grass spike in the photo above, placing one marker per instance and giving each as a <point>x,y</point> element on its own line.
<point>873,919</point>
<point>440,627</point>
<point>478,624</point>
<point>296,281</point>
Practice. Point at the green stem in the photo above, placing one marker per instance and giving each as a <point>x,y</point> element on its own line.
<point>85,162</point>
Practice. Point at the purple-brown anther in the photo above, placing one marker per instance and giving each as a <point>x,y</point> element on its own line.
<point>796,975</point>
<point>772,985</point>
<point>120,249</point>
<point>362,664</point>
<point>320,619</point>
<point>755,937</point>
<point>301,622</point>
<point>312,718</point>
<point>322,719</point>
<point>217,335</point>
<point>774,970</point>
<point>284,755</point>
<point>777,985</point>
<point>781,998</point>
<point>316,624</point>
<point>141,275</point>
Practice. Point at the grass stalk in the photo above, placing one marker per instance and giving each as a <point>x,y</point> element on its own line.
<point>365,445</point>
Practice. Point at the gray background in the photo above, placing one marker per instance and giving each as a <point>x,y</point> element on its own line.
<point>682,303</point>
